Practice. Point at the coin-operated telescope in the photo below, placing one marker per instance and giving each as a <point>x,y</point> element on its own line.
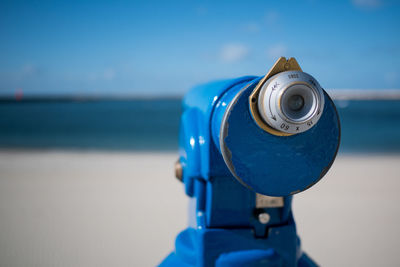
<point>246,146</point>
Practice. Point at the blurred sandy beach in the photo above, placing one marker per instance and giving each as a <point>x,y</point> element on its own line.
<point>96,98</point>
<point>124,209</point>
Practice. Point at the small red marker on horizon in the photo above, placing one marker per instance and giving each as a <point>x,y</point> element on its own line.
<point>19,94</point>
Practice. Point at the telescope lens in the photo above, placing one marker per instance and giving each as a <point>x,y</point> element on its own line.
<point>290,102</point>
<point>296,102</point>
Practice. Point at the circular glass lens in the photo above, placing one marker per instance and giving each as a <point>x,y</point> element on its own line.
<point>296,102</point>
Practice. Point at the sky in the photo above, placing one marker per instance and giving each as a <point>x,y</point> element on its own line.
<point>141,48</point>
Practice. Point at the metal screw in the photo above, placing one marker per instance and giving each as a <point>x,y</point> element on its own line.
<point>178,170</point>
<point>286,66</point>
<point>264,218</point>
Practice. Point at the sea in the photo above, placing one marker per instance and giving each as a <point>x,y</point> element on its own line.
<point>368,126</point>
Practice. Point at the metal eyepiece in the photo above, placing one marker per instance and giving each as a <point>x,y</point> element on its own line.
<point>291,102</point>
<point>298,102</point>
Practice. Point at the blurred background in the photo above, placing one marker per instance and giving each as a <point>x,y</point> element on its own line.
<point>90,97</point>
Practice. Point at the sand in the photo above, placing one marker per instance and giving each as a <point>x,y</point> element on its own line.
<point>124,209</point>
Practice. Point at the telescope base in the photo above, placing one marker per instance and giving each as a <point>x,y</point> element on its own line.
<point>237,247</point>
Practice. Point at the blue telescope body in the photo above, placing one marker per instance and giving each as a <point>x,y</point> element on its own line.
<point>240,177</point>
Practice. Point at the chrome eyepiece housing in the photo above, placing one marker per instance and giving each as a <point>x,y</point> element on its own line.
<point>291,102</point>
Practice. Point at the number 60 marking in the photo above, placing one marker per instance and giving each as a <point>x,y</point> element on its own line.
<point>285,126</point>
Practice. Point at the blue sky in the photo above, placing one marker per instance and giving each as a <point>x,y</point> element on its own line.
<point>166,47</point>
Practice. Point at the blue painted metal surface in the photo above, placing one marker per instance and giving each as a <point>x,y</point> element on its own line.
<point>290,164</point>
<point>223,226</point>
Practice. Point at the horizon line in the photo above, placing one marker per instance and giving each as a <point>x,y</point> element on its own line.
<point>335,94</point>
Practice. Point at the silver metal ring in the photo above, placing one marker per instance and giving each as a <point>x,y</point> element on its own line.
<point>291,102</point>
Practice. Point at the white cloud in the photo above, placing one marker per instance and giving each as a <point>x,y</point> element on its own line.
<point>391,78</point>
<point>233,52</point>
<point>251,27</point>
<point>92,77</point>
<point>201,11</point>
<point>370,4</point>
<point>29,70</point>
<point>105,75</point>
<point>109,74</point>
<point>272,17</point>
<point>276,51</point>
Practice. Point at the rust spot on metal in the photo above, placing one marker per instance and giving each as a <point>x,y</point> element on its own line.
<point>178,170</point>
